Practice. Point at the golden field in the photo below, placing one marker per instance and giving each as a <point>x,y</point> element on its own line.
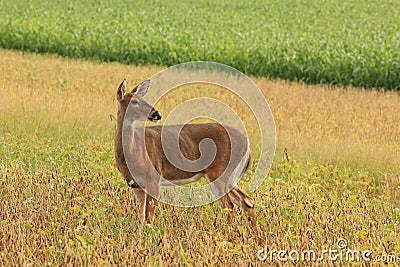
<point>63,202</point>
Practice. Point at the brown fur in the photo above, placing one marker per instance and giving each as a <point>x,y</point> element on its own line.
<point>189,139</point>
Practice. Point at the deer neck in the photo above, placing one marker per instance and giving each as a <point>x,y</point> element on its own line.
<point>118,146</point>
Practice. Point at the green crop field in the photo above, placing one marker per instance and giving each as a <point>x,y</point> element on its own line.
<point>353,42</point>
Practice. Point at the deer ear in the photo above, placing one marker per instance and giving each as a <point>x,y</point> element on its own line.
<point>141,89</point>
<point>121,91</point>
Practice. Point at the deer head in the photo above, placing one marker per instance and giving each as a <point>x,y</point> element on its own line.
<point>139,109</point>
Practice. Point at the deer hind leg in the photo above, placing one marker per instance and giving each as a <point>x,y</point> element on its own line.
<point>217,187</point>
<point>240,198</point>
<point>228,206</point>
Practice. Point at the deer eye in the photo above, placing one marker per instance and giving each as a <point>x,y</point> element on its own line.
<point>135,102</point>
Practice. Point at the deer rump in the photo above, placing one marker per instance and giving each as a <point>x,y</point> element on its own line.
<point>229,158</point>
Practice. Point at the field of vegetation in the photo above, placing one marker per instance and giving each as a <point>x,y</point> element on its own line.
<point>353,42</point>
<point>63,202</point>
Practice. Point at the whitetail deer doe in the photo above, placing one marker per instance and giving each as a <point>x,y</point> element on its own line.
<point>228,141</point>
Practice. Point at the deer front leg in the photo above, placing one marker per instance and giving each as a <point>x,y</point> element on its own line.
<point>151,203</point>
<point>140,197</point>
<point>146,205</point>
<point>152,189</point>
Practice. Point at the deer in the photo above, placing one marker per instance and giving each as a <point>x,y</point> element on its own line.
<point>151,168</point>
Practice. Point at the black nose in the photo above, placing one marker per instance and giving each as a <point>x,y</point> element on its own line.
<point>156,115</point>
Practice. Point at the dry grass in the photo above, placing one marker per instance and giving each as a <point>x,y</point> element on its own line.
<point>349,126</point>
<point>62,200</point>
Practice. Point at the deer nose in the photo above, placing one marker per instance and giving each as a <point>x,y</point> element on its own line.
<point>156,116</point>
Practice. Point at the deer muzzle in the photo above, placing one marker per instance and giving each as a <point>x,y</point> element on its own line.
<point>155,116</point>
